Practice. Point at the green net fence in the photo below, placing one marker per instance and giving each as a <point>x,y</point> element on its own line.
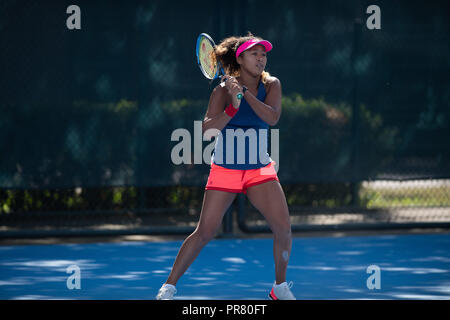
<point>87,116</point>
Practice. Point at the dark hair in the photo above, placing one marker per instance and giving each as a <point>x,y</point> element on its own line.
<point>225,52</point>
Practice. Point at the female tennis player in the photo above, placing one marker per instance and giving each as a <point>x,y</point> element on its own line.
<point>234,166</point>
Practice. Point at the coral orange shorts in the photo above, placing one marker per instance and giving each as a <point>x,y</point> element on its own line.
<point>238,181</point>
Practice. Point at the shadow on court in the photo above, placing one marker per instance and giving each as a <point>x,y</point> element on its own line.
<point>411,267</point>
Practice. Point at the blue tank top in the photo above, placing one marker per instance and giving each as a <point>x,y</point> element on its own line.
<point>242,144</point>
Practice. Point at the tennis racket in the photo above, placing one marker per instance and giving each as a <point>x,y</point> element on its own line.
<point>210,68</point>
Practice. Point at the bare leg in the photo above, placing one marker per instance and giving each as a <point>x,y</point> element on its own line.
<point>215,204</point>
<point>270,200</point>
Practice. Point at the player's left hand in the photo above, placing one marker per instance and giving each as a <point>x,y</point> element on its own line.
<point>234,88</point>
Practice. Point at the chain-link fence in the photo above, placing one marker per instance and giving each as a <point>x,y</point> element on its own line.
<point>87,116</point>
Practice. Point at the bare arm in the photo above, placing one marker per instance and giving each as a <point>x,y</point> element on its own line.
<point>269,110</point>
<point>215,116</point>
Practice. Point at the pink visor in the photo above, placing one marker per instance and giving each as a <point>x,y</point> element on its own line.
<point>251,43</point>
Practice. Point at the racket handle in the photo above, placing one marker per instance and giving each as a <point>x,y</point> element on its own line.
<point>239,95</point>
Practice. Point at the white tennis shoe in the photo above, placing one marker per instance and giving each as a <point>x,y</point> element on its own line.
<point>166,292</point>
<point>282,291</point>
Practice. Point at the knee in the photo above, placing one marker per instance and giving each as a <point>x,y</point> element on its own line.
<point>283,231</point>
<point>204,235</point>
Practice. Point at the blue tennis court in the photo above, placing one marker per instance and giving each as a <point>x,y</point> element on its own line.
<point>411,267</point>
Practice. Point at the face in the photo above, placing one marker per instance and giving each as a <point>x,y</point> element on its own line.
<point>253,60</point>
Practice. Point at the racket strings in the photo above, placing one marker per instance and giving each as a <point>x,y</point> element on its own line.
<point>207,58</point>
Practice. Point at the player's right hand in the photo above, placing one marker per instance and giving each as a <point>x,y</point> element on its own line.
<point>234,88</point>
